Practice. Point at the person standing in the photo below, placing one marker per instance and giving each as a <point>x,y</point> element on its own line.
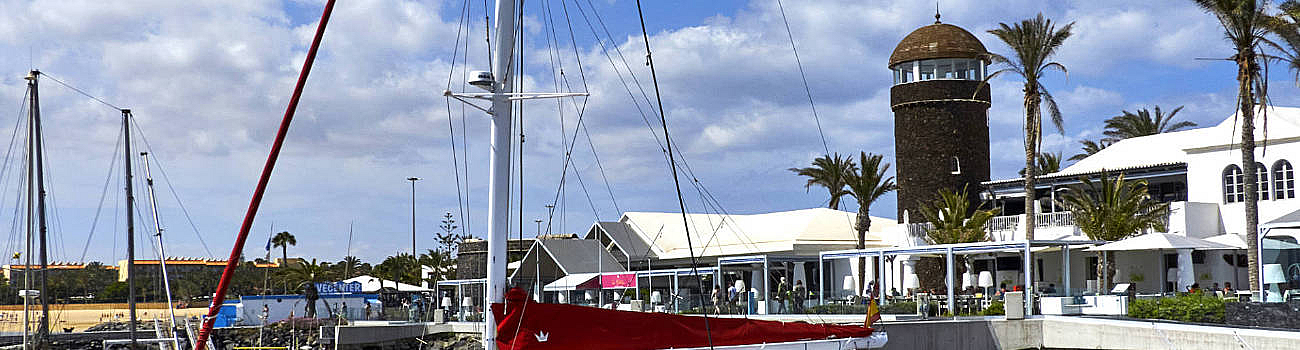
<point>798,295</point>
<point>782,294</point>
<point>717,299</point>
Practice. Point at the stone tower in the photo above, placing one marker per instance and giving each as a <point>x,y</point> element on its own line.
<point>940,104</point>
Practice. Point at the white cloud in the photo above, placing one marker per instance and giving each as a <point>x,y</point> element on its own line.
<point>208,81</point>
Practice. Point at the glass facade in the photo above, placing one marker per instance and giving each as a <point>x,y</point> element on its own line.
<point>943,68</point>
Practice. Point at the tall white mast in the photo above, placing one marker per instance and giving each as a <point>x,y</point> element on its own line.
<point>162,252</point>
<point>500,94</point>
<point>499,170</point>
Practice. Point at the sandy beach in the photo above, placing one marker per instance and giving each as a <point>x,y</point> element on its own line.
<point>79,317</point>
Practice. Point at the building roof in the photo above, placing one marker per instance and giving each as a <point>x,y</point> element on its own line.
<point>722,235</point>
<point>938,40</point>
<point>580,255</point>
<point>626,239</point>
<point>1172,148</point>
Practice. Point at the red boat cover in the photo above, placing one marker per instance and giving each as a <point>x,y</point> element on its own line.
<point>526,324</point>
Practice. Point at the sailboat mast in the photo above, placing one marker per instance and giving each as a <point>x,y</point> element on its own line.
<point>162,250</point>
<point>44,329</point>
<point>27,251</point>
<point>499,168</point>
<point>130,225</point>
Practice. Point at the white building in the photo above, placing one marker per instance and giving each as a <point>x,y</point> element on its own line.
<point>1197,172</point>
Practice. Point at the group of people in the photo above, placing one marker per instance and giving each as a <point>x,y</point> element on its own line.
<point>735,299</point>
<point>1227,289</point>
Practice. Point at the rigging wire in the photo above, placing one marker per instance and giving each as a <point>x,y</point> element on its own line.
<point>451,128</point>
<point>18,119</point>
<point>663,120</point>
<point>680,157</point>
<point>83,93</point>
<point>790,34</point>
<point>103,193</point>
<point>157,161</point>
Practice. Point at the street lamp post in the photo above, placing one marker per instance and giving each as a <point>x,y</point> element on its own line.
<point>413,180</point>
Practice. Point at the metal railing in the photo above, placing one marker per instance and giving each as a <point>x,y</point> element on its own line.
<point>1057,219</point>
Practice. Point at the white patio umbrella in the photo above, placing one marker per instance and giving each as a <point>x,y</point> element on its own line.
<point>1233,240</point>
<point>1162,241</point>
<point>1157,241</point>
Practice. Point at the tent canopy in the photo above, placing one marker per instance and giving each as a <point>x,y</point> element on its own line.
<point>574,282</point>
<point>1233,240</point>
<point>1291,220</point>
<point>371,284</point>
<point>1153,241</point>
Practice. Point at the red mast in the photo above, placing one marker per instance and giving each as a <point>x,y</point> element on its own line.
<point>219,296</point>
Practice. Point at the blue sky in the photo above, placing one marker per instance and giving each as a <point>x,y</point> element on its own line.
<point>208,81</point>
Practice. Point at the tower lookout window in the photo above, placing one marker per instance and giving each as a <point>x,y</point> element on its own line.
<point>942,68</point>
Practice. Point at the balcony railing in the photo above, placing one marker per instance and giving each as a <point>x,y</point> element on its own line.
<point>1042,220</point>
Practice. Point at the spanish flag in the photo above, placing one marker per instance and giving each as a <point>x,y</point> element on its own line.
<point>873,313</point>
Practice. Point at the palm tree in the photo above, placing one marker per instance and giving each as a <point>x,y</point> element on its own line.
<point>867,186</point>
<point>1245,25</point>
<point>1046,163</point>
<point>350,264</point>
<point>828,172</point>
<point>1034,42</point>
<point>953,221</point>
<point>1287,27</point>
<point>1143,123</point>
<point>1090,147</point>
<point>283,240</point>
<point>306,275</point>
<point>1111,210</point>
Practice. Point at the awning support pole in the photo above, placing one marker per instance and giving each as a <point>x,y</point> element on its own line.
<point>949,275</point>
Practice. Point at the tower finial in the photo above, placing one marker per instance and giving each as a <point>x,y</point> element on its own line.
<point>936,12</point>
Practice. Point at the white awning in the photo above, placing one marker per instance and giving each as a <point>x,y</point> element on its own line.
<point>1233,240</point>
<point>1154,241</point>
<point>573,282</point>
<point>1291,220</point>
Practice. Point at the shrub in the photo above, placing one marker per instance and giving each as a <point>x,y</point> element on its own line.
<point>995,308</point>
<point>1186,308</point>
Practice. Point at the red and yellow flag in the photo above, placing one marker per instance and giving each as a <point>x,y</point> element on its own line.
<point>873,313</point>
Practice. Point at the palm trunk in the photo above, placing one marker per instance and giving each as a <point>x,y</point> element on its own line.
<point>1245,80</point>
<point>1032,129</point>
<point>1033,123</point>
<point>864,224</point>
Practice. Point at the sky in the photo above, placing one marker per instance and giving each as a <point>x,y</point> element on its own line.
<point>208,81</point>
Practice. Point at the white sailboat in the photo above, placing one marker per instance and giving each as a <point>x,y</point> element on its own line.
<point>597,327</point>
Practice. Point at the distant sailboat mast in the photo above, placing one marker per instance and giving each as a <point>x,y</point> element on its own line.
<point>162,251</point>
<point>130,224</point>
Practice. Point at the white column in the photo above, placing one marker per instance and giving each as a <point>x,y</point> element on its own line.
<point>909,275</point>
<point>1186,275</point>
<point>1029,295</point>
<point>1065,269</point>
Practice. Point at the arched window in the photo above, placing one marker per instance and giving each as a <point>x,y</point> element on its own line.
<point>1233,188</point>
<point>1261,181</point>
<point>1283,180</point>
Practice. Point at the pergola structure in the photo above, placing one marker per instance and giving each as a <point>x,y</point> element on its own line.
<point>1025,248</point>
<point>460,291</point>
<point>676,275</point>
<point>766,261</point>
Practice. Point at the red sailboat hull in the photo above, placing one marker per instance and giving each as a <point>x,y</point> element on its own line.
<point>525,324</point>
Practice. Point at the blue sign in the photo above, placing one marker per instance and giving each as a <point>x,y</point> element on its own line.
<point>338,287</point>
